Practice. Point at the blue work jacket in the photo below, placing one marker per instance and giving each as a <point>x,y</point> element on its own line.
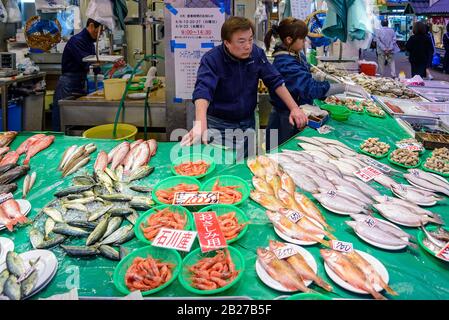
<point>298,80</point>
<point>230,84</point>
<point>78,47</point>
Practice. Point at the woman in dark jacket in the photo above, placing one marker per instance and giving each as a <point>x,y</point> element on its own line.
<point>420,49</point>
<point>446,48</point>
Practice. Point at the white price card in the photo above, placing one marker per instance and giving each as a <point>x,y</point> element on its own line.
<point>444,253</point>
<point>376,164</point>
<point>331,193</point>
<point>410,146</point>
<point>342,246</point>
<point>174,239</point>
<point>370,222</point>
<point>293,215</point>
<point>285,252</point>
<point>197,198</point>
<point>5,196</point>
<point>367,174</point>
<point>324,129</point>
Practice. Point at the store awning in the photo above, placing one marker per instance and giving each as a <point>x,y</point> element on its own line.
<point>422,7</point>
<point>441,6</point>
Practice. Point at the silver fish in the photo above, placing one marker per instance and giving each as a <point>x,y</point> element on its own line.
<point>78,165</point>
<point>66,230</point>
<point>363,186</point>
<point>435,241</point>
<point>36,237</point>
<point>355,193</point>
<point>117,235</point>
<point>430,177</point>
<point>65,157</point>
<point>113,224</point>
<point>339,204</point>
<point>15,264</point>
<point>426,184</point>
<point>98,232</point>
<point>99,212</point>
<point>411,206</point>
<point>26,184</point>
<point>344,167</point>
<point>413,194</point>
<point>402,215</point>
<point>383,226</point>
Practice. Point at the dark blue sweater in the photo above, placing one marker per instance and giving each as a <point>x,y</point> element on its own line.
<point>78,47</point>
<point>298,80</point>
<point>230,84</point>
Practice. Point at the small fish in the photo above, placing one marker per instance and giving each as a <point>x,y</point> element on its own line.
<point>26,184</point>
<point>78,164</point>
<point>102,161</point>
<point>80,251</point>
<point>117,197</point>
<point>118,235</point>
<point>98,232</point>
<point>66,230</point>
<point>36,237</point>
<point>65,157</point>
<point>141,189</point>
<point>111,174</point>
<point>267,201</point>
<point>99,212</point>
<point>11,288</point>
<point>141,203</point>
<point>54,214</point>
<point>72,189</point>
<point>262,186</point>
<point>140,173</point>
<point>4,275</point>
<point>113,224</point>
<point>50,243</point>
<point>75,206</point>
<point>83,224</point>
<point>15,264</point>
<point>83,180</point>
<point>27,285</point>
<point>109,252</point>
<point>256,168</point>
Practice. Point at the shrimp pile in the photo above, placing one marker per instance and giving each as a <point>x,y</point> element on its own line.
<point>229,225</point>
<point>164,218</point>
<point>214,272</point>
<point>228,194</point>
<point>147,274</point>
<point>190,168</point>
<point>167,196</point>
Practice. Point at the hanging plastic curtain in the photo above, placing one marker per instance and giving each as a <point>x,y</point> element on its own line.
<point>361,23</point>
<point>120,11</point>
<point>336,25</point>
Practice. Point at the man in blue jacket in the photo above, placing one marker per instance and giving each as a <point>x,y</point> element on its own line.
<point>74,70</point>
<point>225,94</point>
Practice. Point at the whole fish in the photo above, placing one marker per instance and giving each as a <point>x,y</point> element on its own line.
<point>141,156</point>
<point>300,265</point>
<point>256,168</point>
<point>71,190</point>
<point>371,273</point>
<point>84,201</point>
<point>120,154</point>
<point>344,167</point>
<point>287,183</point>
<point>119,172</point>
<point>38,146</point>
<point>288,200</point>
<point>262,186</point>
<point>339,203</point>
<point>427,184</point>
<point>385,227</point>
<point>111,174</point>
<point>121,211</point>
<point>118,235</point>
<point>291,229</point>
<point>24,146</point>
<point>413,194</point>
<point>111,153</point>
<point>310,209</point>
<point>135,144</point>
<point>404,203</point>
<point>80,251</point>
<point>132,218</point>
<point>12,209</point>
<point>349,272</point>
<point>310,226</point>
<point>53,213</point>
<point>13,174</point>
<point>301,154</point>
<point>304,182</point>
<point>113,224</point>
<point>10,157</point>
<point>402,215</point>
<point>65,157</point>
<point>75,206</point>
<point>338,180</point>
<point>48,226</point>
<point>281,271</point>
<point>78,164</point>
<point>109,252</point>
<point>429,177</point>
<point>90,148</point>
<point>116,197</point>
<point>319,154</point>
<point>7,167</point>
<point>98,232</point>
<point>50,243</point>
<point>141,189</point>
<point>4,275</point>
<point>15,264</point>
<point>11,288</point>
<point>66,230</point>
<point>322,182</point>
<point>83,180</point>
<point>36,237</point>
<point>364,187</point>
<point>99,212</point>
<point>377,235</point>
<point>355,193</point>
<point>74,157</point>
<point>140,173</point>
<point>385,180</point>
<point>7,137</point>
<point>83,224</point>
<point>27,286</point>
<point>267,201</point>
<point>268,165</point>
<point>127,236</point>
<point>102,161</point>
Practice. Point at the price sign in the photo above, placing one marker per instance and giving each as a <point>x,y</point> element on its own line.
<point>196,198</point>
<point>444,253</point>
<point>376,164</point>
<point>370,222</point>
<point>410,146</point>
<point>367,174</point>
<point>285,252</point>
<point>5,197</point>
<point>331,193</point>
<point>174,239</point>
<point>342,246</point>
<point>324,129</point>
<point>209,232</point>
<point>292,215</point>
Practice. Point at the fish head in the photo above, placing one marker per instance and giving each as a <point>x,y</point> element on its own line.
<point>276,244</point>
<point>265,254</point>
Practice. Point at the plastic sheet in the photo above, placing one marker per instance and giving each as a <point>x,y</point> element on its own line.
<point>414,273</point>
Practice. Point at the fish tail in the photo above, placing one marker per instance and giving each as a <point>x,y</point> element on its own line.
<point>21,219</point>
<point>377,295</point>
<point>436,220</point>
<point>330,236</point>
<point>323,284</point>
<point>10,225</point>
<point>389,289</point>
<point>414,246</point>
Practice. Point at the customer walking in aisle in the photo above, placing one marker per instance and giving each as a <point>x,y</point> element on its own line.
<point>225,94</point>
<point>386,48</point>
<point>446,49</point>
<point>420,49</point>
<point>293,66</point>
<point>432,39</point>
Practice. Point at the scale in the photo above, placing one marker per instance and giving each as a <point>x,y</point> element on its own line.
<point>8,64</point>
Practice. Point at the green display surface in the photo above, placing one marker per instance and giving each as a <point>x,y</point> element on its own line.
<point>413,273</point>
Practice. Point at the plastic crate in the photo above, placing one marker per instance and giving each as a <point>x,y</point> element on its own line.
<point>14,116</point>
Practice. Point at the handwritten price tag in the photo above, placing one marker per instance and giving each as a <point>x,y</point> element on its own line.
<point>5,196</point>
<point>444,253</point>
<point>174,239</point>
<point>376,164</point>
<point>331,193</point>
<point>285,252</point>
<point>196,198</point>
<point>292,215</point>
<point>324,129</point>
<point>342,246</point>
<point>410,146</point>
<point>370,222</point>
<point>367,174</point>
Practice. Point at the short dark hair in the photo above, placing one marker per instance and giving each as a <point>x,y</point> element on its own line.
<point>447,27</point>
<point>96,24</point>
<point>234,24</point>
<point>419,28</point>
<point>384,23</point>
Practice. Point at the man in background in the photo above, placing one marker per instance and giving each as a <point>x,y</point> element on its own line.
<point>386,48</point>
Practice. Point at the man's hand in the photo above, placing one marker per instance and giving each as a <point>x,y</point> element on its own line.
<point>197,134</point>
<point>298,118</point>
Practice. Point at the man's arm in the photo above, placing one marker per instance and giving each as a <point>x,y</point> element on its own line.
<point>200,126</point>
